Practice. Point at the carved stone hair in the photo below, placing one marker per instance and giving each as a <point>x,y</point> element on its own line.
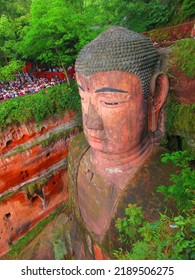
<point>119,49</point>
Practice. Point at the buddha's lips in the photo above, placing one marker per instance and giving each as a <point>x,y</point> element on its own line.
<point>95,139</point>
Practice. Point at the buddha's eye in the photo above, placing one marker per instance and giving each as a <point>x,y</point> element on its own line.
<point>112,103</point>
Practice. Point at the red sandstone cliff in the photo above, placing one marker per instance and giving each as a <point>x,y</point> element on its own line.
<point>33,174</point>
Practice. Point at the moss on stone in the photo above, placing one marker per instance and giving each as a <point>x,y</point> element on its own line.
<point>36,188</point>
<point>61,135</point>
<point>179,117</point>
<point>27,238</point>
<point>183,54</point>
<point>4,197</point>
<point>53,138</point>
<point>180,121</point>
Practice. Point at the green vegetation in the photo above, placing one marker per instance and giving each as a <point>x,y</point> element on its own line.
<point>7,71</point>
<point>53,32</point>
<point>182,191</point>
<point>179,117</point>
<point>30,235</point>
<point>184,56</point>
<point>56,32</point>
<point>180,122</point>
<point>6,196</point>
<point>14,17</point>
<point>35,188</point>
<point>168,237</point>
<point>61,135</point>
<point>44,142</point>
<point>164,239</point>
<point>141,15</point>
<point>62,242</point>
<point>40,106</point>
<point>31,189</point>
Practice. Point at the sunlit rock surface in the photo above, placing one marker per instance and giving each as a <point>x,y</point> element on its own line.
<point>33,182</point>
<point>33,174</point>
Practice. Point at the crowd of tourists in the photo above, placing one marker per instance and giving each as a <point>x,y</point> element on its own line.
<point>26,84</point>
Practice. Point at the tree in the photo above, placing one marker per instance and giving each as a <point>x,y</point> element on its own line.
<point>188,9</point>
<point>56,32</point>
<point>7,39</point>
<point>8,71</point>
<point>141,15</point>
<point>9,64</point>
<point>13,17</point>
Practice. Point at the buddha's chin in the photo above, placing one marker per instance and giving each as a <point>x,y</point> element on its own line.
<point>96,143</point>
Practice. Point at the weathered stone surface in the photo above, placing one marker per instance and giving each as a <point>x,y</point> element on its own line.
<point>63,238</point>
<point>119,168</point>
<point>122,109</point>
<point>98,253</point>
<point>15,135</point>
<point>33,176</point>
<point>183,87</point>
<point>99,203</point>
<point>19,213</point>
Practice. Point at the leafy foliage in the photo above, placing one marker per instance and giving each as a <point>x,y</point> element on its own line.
<point>188,8</point>
<point>14,9</point>
<point>56,32</point>
<point>8,71</point>
<point>184,53</point>
<point>165,238</point>
<point>7,39</point>
<point>140,15</point>
<point>53,32</point>
<point>182,191</point>
<point>40,106</point>
<point>179,122</point>
<point>13,17</point>
<point>134,219</point>
<point>159,13</point>
<point>175,112</point>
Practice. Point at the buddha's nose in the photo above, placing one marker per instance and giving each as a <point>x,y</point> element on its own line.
<point>94,121</point>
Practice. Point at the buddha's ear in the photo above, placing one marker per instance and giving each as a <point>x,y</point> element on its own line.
<point>159,87</point>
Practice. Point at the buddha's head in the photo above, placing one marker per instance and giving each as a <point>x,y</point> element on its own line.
<point>121,88</point>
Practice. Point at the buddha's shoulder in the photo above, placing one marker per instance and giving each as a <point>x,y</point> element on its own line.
<point>155,159</point>
<point>153,172</point>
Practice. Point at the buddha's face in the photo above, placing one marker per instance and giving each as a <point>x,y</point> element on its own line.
<point>114,111</point>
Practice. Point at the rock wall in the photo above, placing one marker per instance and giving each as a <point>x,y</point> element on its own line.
<point>33,182</point>
<point>33,174</point>
<point>181,87</point>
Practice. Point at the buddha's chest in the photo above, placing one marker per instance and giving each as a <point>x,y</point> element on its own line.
<point>96,198</point>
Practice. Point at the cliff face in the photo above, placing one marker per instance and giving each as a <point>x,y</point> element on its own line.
<point>33,174</point>
<point>33,177</point>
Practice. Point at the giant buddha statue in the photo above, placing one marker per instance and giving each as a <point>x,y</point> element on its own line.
<point>117,158</point>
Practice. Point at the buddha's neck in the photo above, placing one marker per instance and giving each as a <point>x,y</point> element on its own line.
<point>122,163</point>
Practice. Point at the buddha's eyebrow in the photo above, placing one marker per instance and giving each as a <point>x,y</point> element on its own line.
<point>81,88</point>
<point>108,89</point>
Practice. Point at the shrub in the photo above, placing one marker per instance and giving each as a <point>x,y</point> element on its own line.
<point>182,191</point>
<point>164,239</point>
<point>39,106</point>
<point>184,54</point>
<point>168,237</point>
